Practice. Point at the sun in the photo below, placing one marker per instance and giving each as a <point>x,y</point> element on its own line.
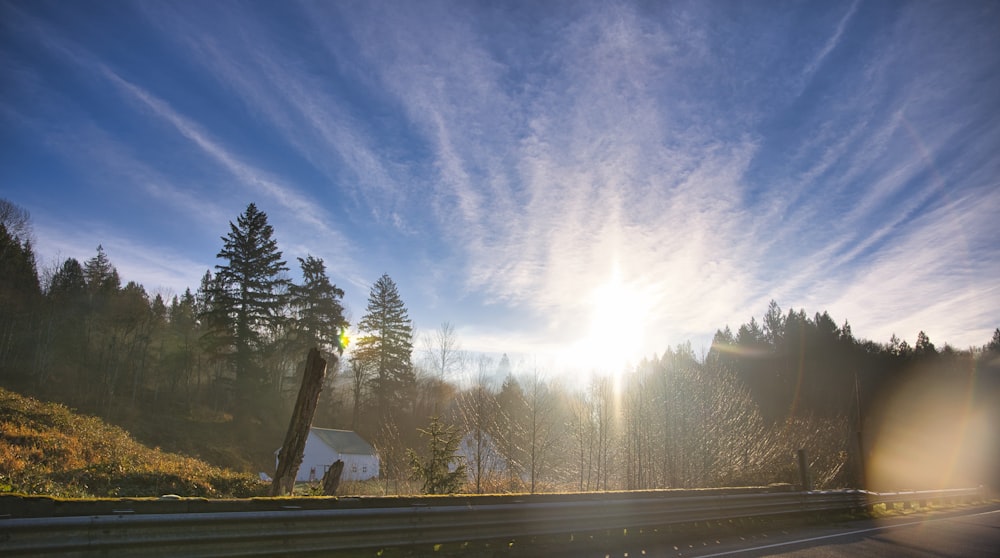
<point>613,339</point>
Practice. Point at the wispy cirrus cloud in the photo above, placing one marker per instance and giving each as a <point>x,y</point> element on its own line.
<point>931,278</point>
<point>614,168</point>
<point>592,175</point>
<point>113,171</point>
<point>297,207</point>
<point>513,163</point>
<point>297,100</point>
<point>814,65</point>
<point>115,157</point>
<point>430,62</point>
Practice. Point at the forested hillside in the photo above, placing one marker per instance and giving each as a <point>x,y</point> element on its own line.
<point>212,373</point>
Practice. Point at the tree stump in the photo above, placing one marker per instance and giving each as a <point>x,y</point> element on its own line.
<point>331,479</point>
<point>290,456</point>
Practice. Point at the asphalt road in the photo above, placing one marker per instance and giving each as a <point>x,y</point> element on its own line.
<point>967,533</point>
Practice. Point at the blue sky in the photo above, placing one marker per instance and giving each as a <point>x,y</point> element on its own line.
<point>581,181</point>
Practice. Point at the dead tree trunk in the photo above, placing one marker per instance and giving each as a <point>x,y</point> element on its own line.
<point>290,456</point>
<point>331,480</point>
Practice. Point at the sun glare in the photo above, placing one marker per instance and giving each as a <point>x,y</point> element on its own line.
<point>614,336</point>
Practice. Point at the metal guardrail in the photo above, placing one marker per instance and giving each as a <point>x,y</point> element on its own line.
<point>923,497</point>
<point>417,523</point>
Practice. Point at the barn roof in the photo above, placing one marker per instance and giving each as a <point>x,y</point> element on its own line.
<point>344,441</point>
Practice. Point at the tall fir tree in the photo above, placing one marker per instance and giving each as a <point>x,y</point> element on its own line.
<point>66,313</point>
<point>318,311</point>
<point>386,347</point>
<point>247,297</point>
<point>774,324</point>
<point>102,278</point>
<point>19,298</point>
<point>100,363</point>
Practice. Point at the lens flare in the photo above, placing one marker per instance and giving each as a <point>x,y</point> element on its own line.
<point>929,433</point>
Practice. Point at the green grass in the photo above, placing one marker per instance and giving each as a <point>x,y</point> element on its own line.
<point>47,449</point>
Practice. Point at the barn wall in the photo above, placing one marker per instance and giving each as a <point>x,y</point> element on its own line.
<point>359,467</point>
<point>317,457</point>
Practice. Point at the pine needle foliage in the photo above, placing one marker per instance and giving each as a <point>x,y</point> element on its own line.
<point>247,297</point>
<point>386,346</point>
<point>317,309</point>
<point>442,471</point>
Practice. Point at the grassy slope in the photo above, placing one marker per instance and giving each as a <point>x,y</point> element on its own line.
<point>210,436</point>
<point>45,448</point>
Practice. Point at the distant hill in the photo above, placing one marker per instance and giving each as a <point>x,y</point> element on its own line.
<point>46,448</point>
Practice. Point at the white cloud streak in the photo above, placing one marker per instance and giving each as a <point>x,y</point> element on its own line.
<point>113,156</point>
<point>295,101</point>
<point>928,279</point>
<point>616,140</point>
<point>609,175</point>
<point>831,43</point>
<point>298,208</point>
<point>598,190</point>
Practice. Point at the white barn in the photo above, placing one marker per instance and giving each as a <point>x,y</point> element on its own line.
<point>326,445</point>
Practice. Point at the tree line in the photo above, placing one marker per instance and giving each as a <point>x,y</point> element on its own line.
<point>235,345</point>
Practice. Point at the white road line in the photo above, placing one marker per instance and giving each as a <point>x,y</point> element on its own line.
<point>835,535</point>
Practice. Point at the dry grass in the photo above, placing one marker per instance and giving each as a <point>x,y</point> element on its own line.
<point>45,448</point>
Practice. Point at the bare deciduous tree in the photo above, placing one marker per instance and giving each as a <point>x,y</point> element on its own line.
<point>444,351</point>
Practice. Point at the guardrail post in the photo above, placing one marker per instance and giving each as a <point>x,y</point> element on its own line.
<point>804,471</point>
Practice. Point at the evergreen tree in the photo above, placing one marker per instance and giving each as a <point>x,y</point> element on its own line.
<point>68,285</point>
<point>101,277</point>
<point>19,297</point>
<point>994,344</point>
<point>442,471</point>
<point>774,324</point>
<point>100,364</point>
<point>924,347</point>
<point>845,333</point>
<point>67,311</point>
<point>386,347</point>
<point>720,354</point>
<point>203,297</point>
<point>319,314</point>
<point>247,297</point>
<point>750,334</point>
